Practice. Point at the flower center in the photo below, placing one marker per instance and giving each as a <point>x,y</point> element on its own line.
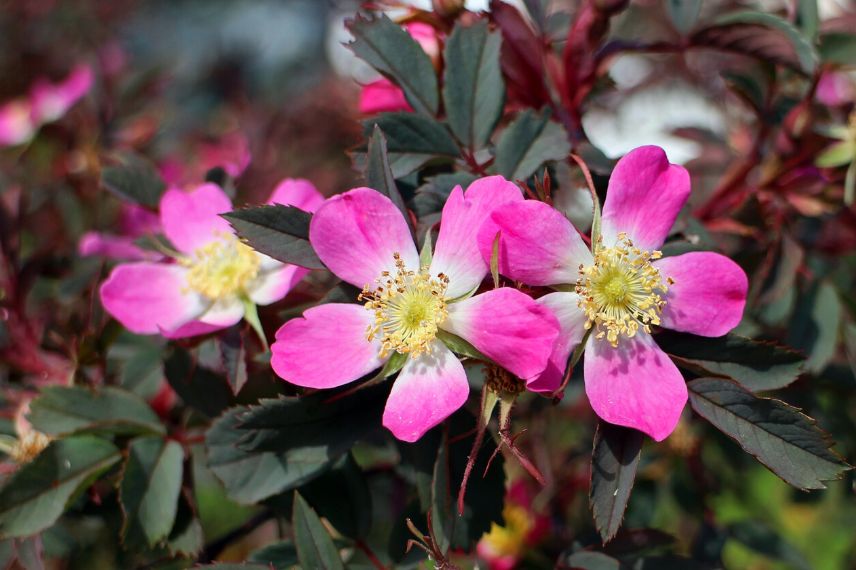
<point>408,306</point>
<point>621,291</point>
<point>222,268</point>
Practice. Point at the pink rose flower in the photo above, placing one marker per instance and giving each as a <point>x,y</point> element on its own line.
<point>134,222</point>
<point>16,123</point>
<point>213,274</point>
<point>50,101</point>
<point>836,88</point>
<point>363,238</point>
<point>622,289</point>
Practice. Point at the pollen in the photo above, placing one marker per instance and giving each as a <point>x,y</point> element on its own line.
<point>29,446</point>
<point>408,307</point>
<point>621,291</point>
<point>222,269</point>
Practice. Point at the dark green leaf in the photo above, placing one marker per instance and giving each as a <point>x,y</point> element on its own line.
<point>585,560</point>
<point>61,410</point>
<point>341,495</point>
<point>315,548</point>
<point>379,174</point>
<point>460,346</point>
<point>280,555</point>
<point>36,495</point>
<point>282,232</point>
<point>757,365</point>
<point>135,179</point>
<point>151,482</point>
<point>838,48</point>
<point>613,471</point>
<point>186,537</point>
<point>200,388</point>
<point>761,35</point>
<point>815,325</point>
<point>412,140</point>
<point>387,47</point>
<point>761,538</point>
<point>528,142</point>
<point>808,18</point>
<point>784,439</point>
<point>234,358</point>
<point>683,13</point>
<point>473,89</point>
<point>431,196</point>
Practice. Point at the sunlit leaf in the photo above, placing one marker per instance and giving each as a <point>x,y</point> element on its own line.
<point>282,232</point>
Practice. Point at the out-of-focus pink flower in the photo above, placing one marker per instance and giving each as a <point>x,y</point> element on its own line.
<point>134,222</point>
<point>213,276</point>
<point>363,239</point>
<point>505,545</point>
<point>623,287</point>
<point>383,96</point>
<point>50,101</point>
<point>836,88</point>
<point>231,152</point>
<point>16,123</point>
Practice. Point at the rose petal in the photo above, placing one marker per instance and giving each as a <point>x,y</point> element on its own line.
<point>428,390</point>
<point>708,293</point>
<point>192,219</point>
<point>326,347</point>
<point>382,96</point>
<point>297,192</point>
<point>457,251</point>
<point>572,322</point>
<point>193,328</point>
<point>644,197</point>
<point>537,245</point>
<point>224,313</point>
<point>634,385</point>
<point>508,327</point>
<point>113,247</point>
<point>274,285</point>
<point>150,297</point>
<point>356,233</point>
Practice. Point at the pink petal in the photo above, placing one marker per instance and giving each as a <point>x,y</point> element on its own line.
<point>193,328</point>
<point>634,385</point>
<point>150,297</point>
<point>297,192</point>
<point>428,390</point>
<point>113,247</point>
<point>16,123</point>
<point>191,220</point>
<point>326,347</point>
<point>382,96</point>
<point>426,36</point>
<point>644,197</point>
<point>274,285</point>
<point>223,313</point>
<point>457,252</point>
<point>356,233</point>
<point>537,245</point>
<point>138,221</point>
<point>52,101</point>
<point>571,330</point>
<point>708,295</point>
<point>508,327</point>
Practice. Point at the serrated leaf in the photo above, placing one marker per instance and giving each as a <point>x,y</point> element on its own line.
<point>528,142</point>
<point>34,497</point>
<point>62,410</point>
<point>613,470</point>
<point>315,547</point>
<point>781,437</point>
<point>756,365</point>
<point>412,141</point>
<point>473,89</point>
<point>198,387</point>
<point>683,13</point>
<point>281,555</point>
<point>838,47</point>
<point>186,536</point>
<point>379,174</point>
<point>281,232</point>
<point>135,179</point>
<point>234,357</point>
<point>387,47</point>
<point>761,35</point>
<point>148,492</point>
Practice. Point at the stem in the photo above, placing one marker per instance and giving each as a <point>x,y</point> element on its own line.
<point>251,315</point>
<point>370,554</point>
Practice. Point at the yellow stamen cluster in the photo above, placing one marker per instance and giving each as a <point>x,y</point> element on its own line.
<point>29,445</point>
<point>222,268</point>
<point>510,539</point>
<point>621,291</point>
<point>408,307</point>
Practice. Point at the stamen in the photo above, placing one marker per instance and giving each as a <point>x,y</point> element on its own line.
<point>29,446</point>
<point>408,307</point>
<point>621,291</point>
<point>222,268</point>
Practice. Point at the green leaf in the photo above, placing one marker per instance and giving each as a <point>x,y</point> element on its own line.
<point>234,357</point>
<point>613,470</point>
<point>528,142</point>
<point>756,365</point>
<point>36,495</point>
<point>281,232</point>
<point>281,555</point>
<point>431,196</point>
<point>387,47</point>
<point>781,437</point>
<point>837,154</point>
<point>683,13</point>
<point>379,174</point>
<point>315,548</point>
<point>808,18</point>
<point>412,140</point>
<point>761,538</point>
<point>460,346</point>
<point>341,495</point>
<point>62,410</point>
<point>761,35</point>
<point>151,482</point>
<point>585,560</point>
<point>135,179</point>
<point>473,89</point>
<point>815,325</point>
<point>198,387</point>
<point>186,537</point>
<point>839,48</point>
